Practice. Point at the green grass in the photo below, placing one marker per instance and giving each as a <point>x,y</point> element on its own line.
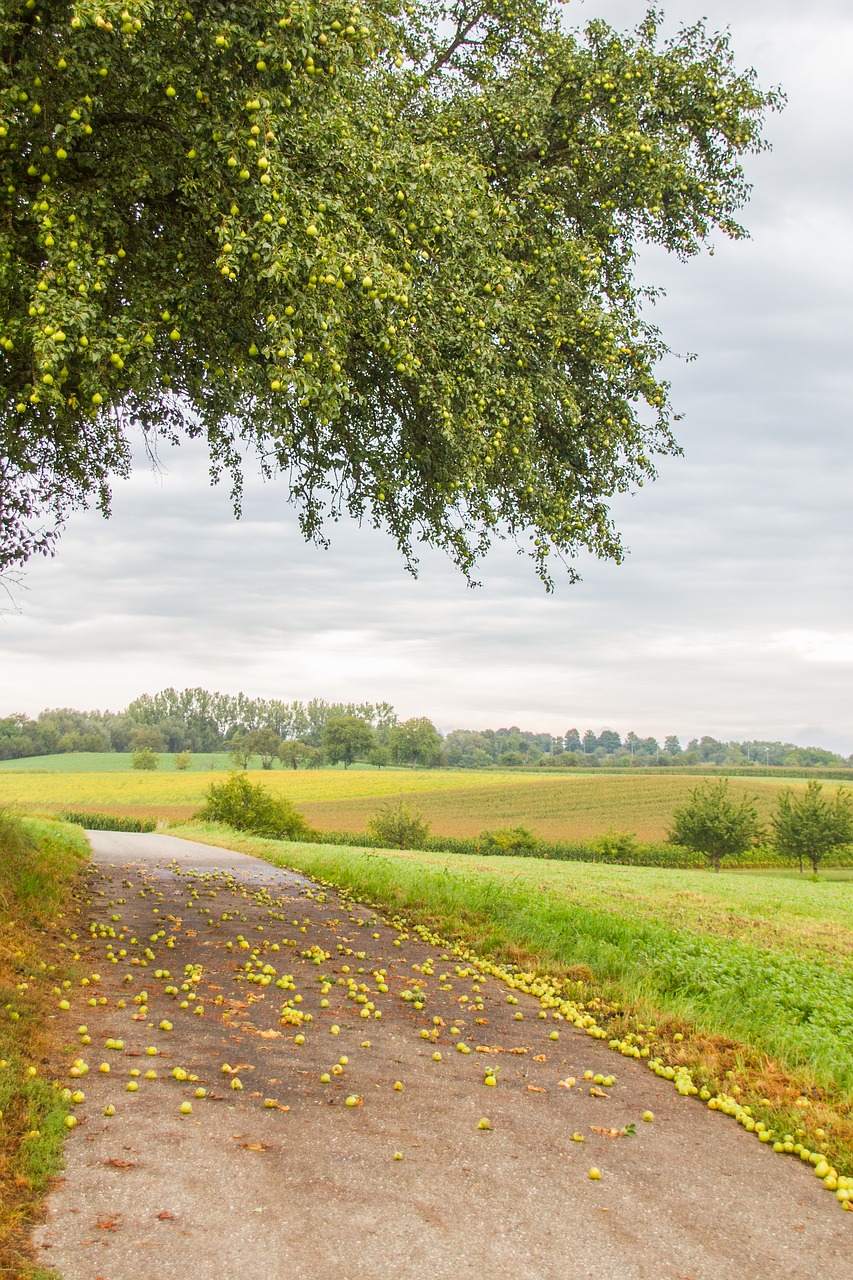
<point>40,862</point>
<point>826,873</point>
<point>761,967</point>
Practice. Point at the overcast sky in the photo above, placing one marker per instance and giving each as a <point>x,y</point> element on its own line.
<point>732,614</point>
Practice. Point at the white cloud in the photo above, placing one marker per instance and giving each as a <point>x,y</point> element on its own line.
<point>816,646</point>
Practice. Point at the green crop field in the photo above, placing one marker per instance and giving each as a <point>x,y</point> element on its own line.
<point>455,803</point>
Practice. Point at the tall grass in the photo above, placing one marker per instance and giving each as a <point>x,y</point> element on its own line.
<point>40,862</point>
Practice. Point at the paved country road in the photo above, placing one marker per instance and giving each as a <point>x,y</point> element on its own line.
<point>309,1188</point>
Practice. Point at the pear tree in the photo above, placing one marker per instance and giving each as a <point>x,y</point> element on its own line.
<point>385,253</point>
<point>713,822</point>
<point>811,825</point>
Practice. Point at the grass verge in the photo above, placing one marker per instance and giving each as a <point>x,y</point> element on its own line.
<point>40,863</point>
<point>759,1026</point>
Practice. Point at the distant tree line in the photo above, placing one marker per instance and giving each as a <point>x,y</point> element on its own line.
<point>308,734</point>
<point>193,720</point>
<point>512,747</point>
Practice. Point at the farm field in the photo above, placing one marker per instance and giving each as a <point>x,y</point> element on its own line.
<point>455,803</point>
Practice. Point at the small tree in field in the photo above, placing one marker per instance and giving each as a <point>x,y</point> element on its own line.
<point>240,750</point>
<point>810,826</point>
<point>715,824</point>
<point>346,738</point>
<point>144,758</point>
<point>264,743</point>
<point>399,827</point>
<point>415,742</point>
<point>183,760</point>
<point>295,755</point>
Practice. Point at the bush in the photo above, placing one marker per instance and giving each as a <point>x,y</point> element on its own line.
<point>514,841</point>
<point>144,758</point>
<point>397,826</point>
<point>247,806</point>
<point>108,821</point>
<point>615,846</point>
<point>183,760</point>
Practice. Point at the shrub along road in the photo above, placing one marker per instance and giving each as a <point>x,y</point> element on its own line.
<point>304,1157</point>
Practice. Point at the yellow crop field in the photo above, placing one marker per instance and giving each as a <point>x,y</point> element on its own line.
<point>567,806</point>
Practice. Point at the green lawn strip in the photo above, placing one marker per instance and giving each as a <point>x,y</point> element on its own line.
<point>40,863</point>
<point>811,919</point>
<point>772,1004</point>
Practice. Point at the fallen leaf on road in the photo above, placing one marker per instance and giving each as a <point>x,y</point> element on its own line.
<point>108,1224</point>
<point>165,1216</point>
<point>535,1088</point>
<point>115,1163</point>
<point>595,1092</point>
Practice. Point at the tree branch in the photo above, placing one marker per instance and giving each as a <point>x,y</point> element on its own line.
<point>461,38</point>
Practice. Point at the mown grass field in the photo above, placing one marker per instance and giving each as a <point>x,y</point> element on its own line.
<point>756,971</point>
<point>455,803</point>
